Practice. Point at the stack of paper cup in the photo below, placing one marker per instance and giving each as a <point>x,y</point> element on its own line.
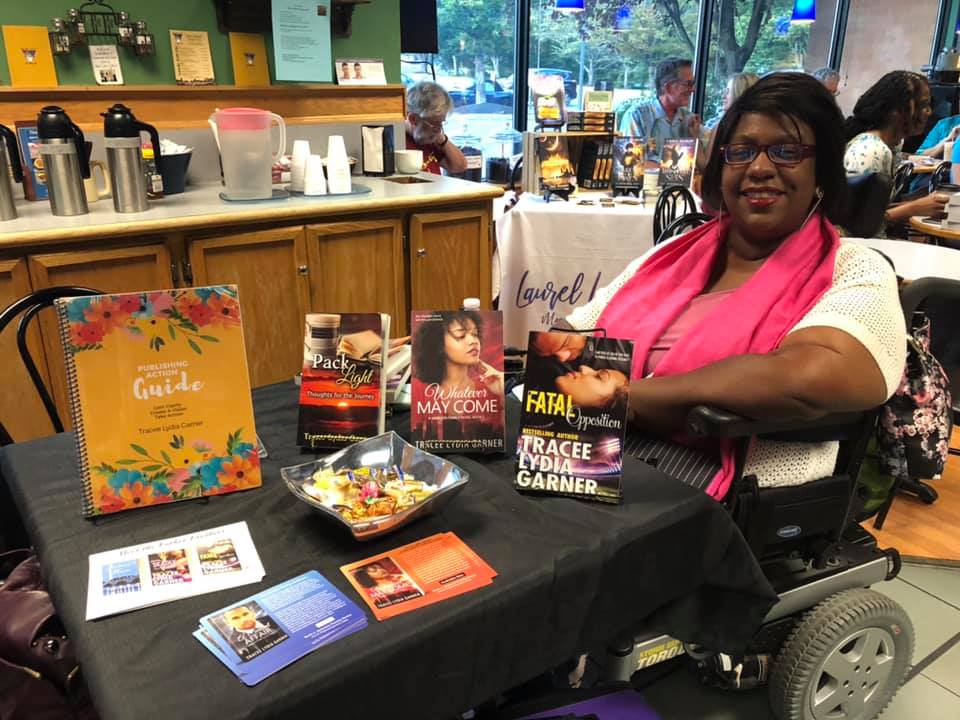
<point>948,150</point>
<point>338,166</point>
<point>298,164</point>
<point>952,221</point>
<point>314,182</point>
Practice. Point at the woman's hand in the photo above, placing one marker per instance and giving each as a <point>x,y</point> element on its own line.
<point>491,378</point>
<point>932,204</point>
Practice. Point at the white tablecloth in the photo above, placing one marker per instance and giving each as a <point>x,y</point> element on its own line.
<point>552,257</point>
<point>916,260</point>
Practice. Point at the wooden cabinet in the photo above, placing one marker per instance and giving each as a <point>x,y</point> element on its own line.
<point>450,258</point>
<point>358,267</point>
<point>270,268</point>
<point>21,411</point>
<point>390,260</point>
<point>124,269</point>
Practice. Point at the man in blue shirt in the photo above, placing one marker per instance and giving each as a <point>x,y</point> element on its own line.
<point>668,116</point>
<point>947,130</point>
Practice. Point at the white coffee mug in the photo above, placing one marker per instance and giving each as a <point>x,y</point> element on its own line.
<point>97,190</point>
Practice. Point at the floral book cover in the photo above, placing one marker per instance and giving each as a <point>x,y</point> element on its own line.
<point>342,387</point>
<point>574,416</point>
<point>159,396</point>
<point>457,381</point>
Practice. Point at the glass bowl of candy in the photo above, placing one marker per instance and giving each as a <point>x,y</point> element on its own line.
<point>376,485</point>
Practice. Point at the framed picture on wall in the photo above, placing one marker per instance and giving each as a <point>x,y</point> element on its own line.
<point>360,71</point>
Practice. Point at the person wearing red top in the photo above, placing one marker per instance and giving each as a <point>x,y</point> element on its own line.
<point>427,107</point>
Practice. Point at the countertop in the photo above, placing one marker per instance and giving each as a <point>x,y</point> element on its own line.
<point>201,207</point>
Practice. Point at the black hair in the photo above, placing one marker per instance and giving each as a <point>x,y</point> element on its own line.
<point>429,359</point>
<point>801,98</point>
<point>668,71</point>
<point>891,95</point>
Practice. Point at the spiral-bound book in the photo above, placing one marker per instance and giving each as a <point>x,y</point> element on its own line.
<point>159,396</point>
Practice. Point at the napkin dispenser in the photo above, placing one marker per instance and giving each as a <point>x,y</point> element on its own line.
<point>377,149</point>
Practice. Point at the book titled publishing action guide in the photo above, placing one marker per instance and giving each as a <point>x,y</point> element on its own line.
<point>159,396</point>
<point>574,416</point>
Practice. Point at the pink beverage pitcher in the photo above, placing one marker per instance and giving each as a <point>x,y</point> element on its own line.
<point>246,151</point>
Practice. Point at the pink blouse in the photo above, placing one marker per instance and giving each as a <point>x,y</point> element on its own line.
<point>697,310</point>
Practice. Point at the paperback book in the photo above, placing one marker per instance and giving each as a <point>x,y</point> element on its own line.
<point>574,416</point>
<point>343,386</point>
<point>159,396</point>
<point>677,161</point>
<point>457,381</point>
<point>556,170</point>
<point>628,157</point>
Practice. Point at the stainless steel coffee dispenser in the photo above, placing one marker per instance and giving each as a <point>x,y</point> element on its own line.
<point>8,210</point>
<point>121,137</point>
<point>64,160</point>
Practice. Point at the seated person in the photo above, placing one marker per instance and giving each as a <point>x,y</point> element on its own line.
<point>667,116</point>
<point>830,79</point>
<point>427,107</point>
<point>762,311</point>
<point>934,144</point>
<point>895,107</point>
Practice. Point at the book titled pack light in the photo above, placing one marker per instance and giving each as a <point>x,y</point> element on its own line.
<point>159,396</point>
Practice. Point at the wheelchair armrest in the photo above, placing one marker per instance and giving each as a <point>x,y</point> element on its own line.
<point>710,422</point>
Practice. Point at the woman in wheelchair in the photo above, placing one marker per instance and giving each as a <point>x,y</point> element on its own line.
<point>763,312</point>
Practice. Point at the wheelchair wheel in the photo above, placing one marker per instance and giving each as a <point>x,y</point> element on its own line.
<point>844,660</point>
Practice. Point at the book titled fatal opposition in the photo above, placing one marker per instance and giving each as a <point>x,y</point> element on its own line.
<point>574,416</point>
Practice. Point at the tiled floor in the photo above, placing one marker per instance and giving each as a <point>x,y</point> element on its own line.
<point>931,597</point>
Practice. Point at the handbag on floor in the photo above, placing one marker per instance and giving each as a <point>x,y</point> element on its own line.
<point>39,674</point>
<point>915,424</point>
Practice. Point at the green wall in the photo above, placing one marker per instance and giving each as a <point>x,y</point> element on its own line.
<point>376,34</point>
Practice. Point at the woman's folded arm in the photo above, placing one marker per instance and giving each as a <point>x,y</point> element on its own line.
<point>814,372</point>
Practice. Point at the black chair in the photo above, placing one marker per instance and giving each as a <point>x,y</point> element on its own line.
<point>865,203</point>
<point>673,201</point>
<point>28,306</point>
<point>940,176</point>
<point>12,532</point>
<point>682,224</point>
<point>902,178</point>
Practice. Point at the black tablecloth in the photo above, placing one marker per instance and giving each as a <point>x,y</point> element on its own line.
<point>572,575</point>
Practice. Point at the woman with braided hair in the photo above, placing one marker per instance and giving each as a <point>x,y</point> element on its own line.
<point>895,107</point>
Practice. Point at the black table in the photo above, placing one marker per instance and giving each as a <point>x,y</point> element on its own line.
<point>572,575</point>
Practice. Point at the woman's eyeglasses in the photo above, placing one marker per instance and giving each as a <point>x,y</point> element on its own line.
<point>779,154</point>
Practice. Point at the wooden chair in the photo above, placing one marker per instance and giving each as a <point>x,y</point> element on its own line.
<point>28,307</point>
<point>674,201</point>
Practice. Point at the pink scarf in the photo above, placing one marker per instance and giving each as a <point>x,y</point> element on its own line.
<point>753,319</point>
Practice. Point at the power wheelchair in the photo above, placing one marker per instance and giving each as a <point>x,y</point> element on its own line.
<point>840,649</point>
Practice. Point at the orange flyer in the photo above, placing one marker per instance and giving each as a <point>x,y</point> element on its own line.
<point>421,573</point>
<point>159,396</point>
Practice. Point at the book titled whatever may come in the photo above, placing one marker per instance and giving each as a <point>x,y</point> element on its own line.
<point>456,399</point>
<point>159,396</point>
<point>574,416</point>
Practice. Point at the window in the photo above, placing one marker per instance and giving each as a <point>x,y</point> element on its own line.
<point>611,45</point>
<point>756,36</point>
<point>475,65</point>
